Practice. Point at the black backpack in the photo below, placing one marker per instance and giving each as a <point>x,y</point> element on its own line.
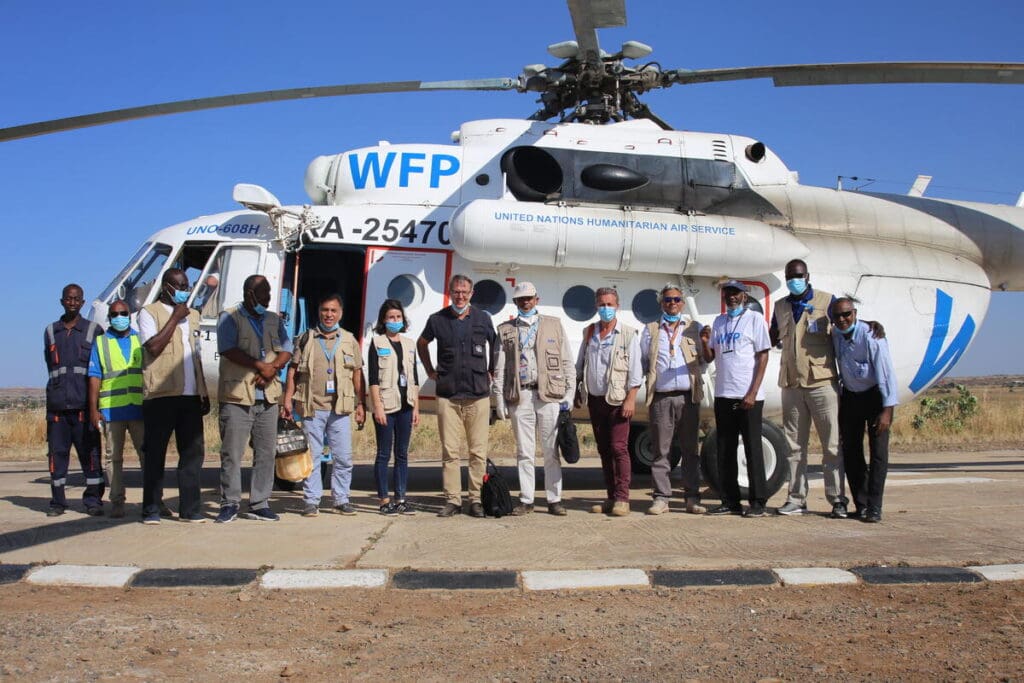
<point>568,444</point>
<point>494,494</point>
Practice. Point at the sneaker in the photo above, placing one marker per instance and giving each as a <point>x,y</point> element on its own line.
<point>228,513</point>
<point>694,507</point>
<point>310,510</point>
<point>94,511</point>
<point>755,510</point>
<point>55,511</point>
<point>620,508</point>
<point>725,510</point>
<point>152,518</point>
<point>839,511</point>
<point>166,512</point>
<point>791,508</point>
<point>404,508</point>
<point>603,508</point>
<point>557,509</point>
<point>196,518</point>
<point>345,509</point>
<point>262,515</point>
<point>872,516</point>
<point>117,510</point>
<point>476,509</point>
<point>388,508</point>
<point>658,507</point>
<point>450,510</point>
<point>522,509</point>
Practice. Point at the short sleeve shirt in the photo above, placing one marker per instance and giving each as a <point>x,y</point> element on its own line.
<point>736,341</point>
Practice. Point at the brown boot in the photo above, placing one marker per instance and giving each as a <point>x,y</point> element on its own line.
<point>117,510</point>
<point>620,508</point>
<point>603,508</point>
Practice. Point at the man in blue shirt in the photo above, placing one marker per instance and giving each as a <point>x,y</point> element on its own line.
<point>115,395</point>
<point>868,396</point>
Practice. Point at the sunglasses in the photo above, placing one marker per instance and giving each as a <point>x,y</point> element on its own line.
<point>119,314</point>
<point>844,314</point>
<point>672,299</point>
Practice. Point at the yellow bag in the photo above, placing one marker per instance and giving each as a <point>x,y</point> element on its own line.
<point>294,467</point>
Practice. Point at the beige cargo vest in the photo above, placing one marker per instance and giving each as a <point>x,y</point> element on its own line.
<point>164,375</point>
<point>808,359</point>
<point>689,341</point>
<point>618,367</point>
<point>388,374</point>
<point>548,343</point>
<point>346,359</point>
<point>237,384</point>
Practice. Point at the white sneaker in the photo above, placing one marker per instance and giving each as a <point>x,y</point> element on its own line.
<point>791,508</point>
<point>659,506</point>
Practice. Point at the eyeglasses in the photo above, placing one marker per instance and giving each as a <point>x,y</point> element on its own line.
<point>118,314</point>
<point>844,314</point>
<point>672,299</point>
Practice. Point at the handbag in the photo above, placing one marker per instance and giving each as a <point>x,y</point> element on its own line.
<point>568,443</point>
<point>293,462</point>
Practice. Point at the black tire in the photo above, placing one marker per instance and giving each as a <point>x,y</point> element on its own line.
<point>776,453</point>
<point>641,450</point>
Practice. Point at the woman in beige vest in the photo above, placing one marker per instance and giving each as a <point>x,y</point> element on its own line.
<point>394,398</point>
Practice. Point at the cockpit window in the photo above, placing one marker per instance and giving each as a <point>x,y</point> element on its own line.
<point>136,279</point>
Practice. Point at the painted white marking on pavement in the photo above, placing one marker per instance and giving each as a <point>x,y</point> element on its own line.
<point>1001,572</point>
<point>324,578</point>
<point>82,575</point>
<point>813,576</point>
<point>938,480</point>
<point>584,578</point>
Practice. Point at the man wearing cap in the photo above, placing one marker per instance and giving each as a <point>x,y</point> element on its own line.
<point>534,378</point>
<point>670,351</point>
<point>737,341</point>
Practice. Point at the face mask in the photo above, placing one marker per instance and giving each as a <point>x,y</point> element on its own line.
<point>120,322</point>
<point>849,331</point>
<point>332,328</point>
<point>394,327</point>
<point>735,312</point>
<point>671,318</point>
<point>606,313</point>
<point>178,296</point>
<point>527,314</point>
<point>797,285</point>
<point>459,311</point>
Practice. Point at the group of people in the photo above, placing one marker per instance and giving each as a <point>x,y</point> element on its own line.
<point>835,372</point>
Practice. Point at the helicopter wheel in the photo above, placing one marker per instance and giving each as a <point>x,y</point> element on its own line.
<point>642,453</point>
<point>776,452</point>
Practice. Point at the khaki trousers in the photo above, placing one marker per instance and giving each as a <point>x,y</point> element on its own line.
<point>113,448</point>
<point>801,407</point>
<point>462,422</point>
<point>530,418</point>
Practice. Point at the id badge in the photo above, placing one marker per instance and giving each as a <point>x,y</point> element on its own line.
<point>402,382</point>
<point>524,371</point>
<point>330,387</point>
<point>812,327</point>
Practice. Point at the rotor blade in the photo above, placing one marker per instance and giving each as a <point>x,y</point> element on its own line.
<point>590,15</point>
<point>861,73</point>
<point>71,123</point>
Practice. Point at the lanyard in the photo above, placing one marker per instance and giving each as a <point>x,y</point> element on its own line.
<point>672,337</point>
<point>735,326</point>
<point>531,332</point>
<point>329,355</point>
<point>257,327</point>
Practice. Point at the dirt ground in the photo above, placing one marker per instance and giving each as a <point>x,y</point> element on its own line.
<point>969,632</point>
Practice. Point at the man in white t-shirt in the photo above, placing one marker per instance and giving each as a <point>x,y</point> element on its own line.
<point>737,341</point>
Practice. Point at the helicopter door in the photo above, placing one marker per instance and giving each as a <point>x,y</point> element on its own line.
<point>416,277</point>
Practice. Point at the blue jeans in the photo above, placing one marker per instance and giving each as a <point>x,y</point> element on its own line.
<point>397,431</point>
<point>338,430</point>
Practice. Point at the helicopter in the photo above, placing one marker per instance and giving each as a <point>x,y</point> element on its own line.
<point>593,188</point>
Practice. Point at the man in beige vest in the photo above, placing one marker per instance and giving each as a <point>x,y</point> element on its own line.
<point>254,347</point>
<point>670,351</point>
<point>810,390</point>
<point>534,378</point>
<point>174,398</point>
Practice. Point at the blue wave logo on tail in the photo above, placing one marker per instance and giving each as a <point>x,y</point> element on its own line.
<point>937,362</point>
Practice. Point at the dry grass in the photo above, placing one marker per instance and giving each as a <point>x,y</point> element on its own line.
<point>999,423</point>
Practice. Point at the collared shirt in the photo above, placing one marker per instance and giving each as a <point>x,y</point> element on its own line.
<point>864,362</point>
<point>120,413</point>
<point>736,342</point>
<point>227,334</point>
<point>799,303</point>
<point>318,375</point>
<point>672,373</point>
<point>599,355</point>
<point>67,363</point>
<point>147,330</point>
<point>527,361</point>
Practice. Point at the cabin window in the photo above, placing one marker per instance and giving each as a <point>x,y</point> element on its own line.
<point>578,303</point>
<point>645,306</point>
<point>136,280</point>
<point>220,286</point>
<point>489,295</point>
<point>407,289</point>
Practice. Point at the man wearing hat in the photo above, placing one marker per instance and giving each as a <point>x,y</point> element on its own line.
<point>534,378</point>
<point>737,341</point>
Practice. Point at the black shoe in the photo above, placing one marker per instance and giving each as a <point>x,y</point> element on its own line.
<point>872,516</point>
<point>755,510</point>
<point>839,511</point>
<point>94,511</point>
<point>476,510</point>
<point>557,509</point>
<point>404,508</point>
<point>522,509</point>
<point>388,508</point>
<point>55,511</point>
<point>857,514</point>
<point>725,510</point>
<point>450,509</point>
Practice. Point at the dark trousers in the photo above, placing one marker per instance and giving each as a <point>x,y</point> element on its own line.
<point>65,429</point>
<point>396,433</point>
<point>611,433</point>
<point>182,415</point>
<point>857,411</point>
<point>732,422</point>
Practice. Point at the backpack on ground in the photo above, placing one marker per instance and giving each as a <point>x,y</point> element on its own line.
<point>494,494</point>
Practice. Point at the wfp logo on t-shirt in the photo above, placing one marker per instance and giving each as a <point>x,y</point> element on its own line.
<point>726,338</point>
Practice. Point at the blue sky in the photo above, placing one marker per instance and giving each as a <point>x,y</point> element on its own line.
<point>76,205</point>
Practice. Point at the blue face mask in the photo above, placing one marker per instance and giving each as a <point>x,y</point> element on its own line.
<point>120,322</point>
<point>606,313</point>
<point>325,328</point>
<point>259,309</point>
<point>179,296</point>
<point>848,332</point>
<point>394,327</point>
<point>527,314</point>
<point>797,285</point>
<point>671,318</point>
<point>459,311</point>
<point>735,312</point>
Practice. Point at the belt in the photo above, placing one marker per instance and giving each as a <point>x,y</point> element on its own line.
<point>528,386</point>
<point>680,392</point>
